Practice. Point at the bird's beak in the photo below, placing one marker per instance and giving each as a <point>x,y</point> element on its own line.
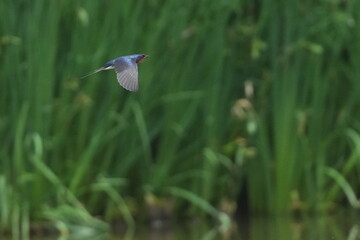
<point>144,56</point>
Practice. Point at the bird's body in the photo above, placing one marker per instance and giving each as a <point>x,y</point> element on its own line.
<point>126,70</point>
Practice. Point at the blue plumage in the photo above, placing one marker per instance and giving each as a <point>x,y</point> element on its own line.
<point>126,70</point>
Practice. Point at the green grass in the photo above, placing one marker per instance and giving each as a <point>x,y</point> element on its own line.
<point>75,151</point>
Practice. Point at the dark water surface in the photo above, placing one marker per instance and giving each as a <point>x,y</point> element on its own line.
<point>344,227</point>
<point>339,228</point>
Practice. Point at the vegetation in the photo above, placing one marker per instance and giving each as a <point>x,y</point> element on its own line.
<point>242,104</point>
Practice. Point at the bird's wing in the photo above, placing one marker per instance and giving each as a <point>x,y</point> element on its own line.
<point>127,74</point>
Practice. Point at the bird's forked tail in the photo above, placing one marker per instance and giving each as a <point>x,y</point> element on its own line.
<point>97,70</point>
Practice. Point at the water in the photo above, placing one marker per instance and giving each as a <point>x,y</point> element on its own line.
<point>341,227</point>
<point>317,228</point>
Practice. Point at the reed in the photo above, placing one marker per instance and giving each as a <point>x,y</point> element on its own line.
<point>73,149</point>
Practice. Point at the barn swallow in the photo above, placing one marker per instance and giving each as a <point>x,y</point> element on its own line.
<point>126,70</point>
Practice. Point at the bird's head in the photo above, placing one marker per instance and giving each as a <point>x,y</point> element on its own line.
<point>139,58</point>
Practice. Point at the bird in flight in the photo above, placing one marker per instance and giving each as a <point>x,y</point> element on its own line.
<point>126,70</point>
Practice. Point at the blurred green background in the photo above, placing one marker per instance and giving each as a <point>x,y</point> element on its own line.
<point>244,107</point>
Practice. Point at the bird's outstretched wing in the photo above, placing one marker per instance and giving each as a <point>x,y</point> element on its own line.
<point>127,74</point>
